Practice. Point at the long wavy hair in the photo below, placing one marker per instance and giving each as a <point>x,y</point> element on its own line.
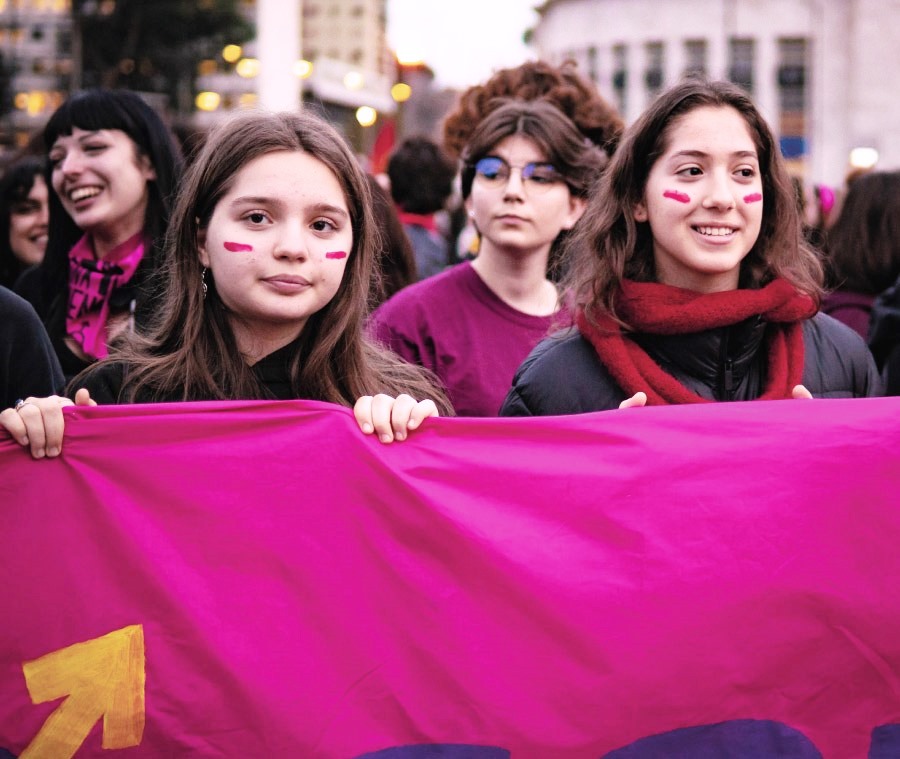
<point>608,245</point>
<point>125,111</point>
<point>190,351</point>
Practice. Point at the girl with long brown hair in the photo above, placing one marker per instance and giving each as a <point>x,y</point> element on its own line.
<point>690,276</point>
<point>268,264</point>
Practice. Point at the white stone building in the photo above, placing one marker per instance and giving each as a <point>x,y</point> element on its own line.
<point>823,72</point>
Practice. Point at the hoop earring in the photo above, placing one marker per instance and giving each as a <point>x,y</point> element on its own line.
<point>203,286</point>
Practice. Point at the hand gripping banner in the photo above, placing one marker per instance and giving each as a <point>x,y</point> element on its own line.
<point>261,579</point>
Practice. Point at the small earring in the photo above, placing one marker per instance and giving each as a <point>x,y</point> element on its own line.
<point>203,286</point>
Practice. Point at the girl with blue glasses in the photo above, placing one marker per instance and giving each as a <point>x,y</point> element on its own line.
<point>525,176</point>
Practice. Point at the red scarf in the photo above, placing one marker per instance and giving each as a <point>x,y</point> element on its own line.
<point>424,220</point>
<point>665,310</point>
<point>91,284</point>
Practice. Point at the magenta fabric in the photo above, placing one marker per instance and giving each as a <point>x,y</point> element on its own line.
<point>548,587</point>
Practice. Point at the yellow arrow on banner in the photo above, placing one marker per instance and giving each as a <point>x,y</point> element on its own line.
<point>103,677</point>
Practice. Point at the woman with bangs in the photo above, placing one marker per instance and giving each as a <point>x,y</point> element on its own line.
<point>526,173</point>
<point>690,276</point>
<point>113,169</point>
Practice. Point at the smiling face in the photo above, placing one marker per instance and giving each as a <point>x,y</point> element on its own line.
<point>277,245</point>
<point>101,181</point>
<point>703,200</point>
<point>520,215</point>
<point>28,224</point>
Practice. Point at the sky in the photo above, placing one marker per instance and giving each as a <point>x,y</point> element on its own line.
<point>463,41</point>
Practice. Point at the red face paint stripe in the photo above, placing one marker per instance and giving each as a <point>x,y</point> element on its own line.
<point>753,197</point>
<point>237,247</point>
<point>336,254</point>
<point>675,195</point>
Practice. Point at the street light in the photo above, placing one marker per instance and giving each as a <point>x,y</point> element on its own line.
<point>863,158</point>
<point>366,115</point>
<point>247,68</point>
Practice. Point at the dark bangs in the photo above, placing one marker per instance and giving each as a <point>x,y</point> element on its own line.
<point>101,109</point>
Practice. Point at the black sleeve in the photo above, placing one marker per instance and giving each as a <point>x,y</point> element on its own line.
<point>514,404</point>
<point>28,364</point>
<point>562,375</point>
<point>103,381</point>
<point>837,362</point>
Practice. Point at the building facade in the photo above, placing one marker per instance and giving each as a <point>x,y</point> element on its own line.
<point>344,64</point>
<point>821,71</point>
<point>35,65</point>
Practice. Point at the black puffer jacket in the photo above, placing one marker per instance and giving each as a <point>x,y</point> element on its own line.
<point>563,374</point>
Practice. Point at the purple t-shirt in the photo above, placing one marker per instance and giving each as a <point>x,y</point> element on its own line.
<point>854,309</point>
<point>455,325</point>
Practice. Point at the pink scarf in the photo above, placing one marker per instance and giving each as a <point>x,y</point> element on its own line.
<point>91,283</point>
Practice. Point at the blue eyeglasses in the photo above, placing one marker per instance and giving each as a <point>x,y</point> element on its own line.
<point>537,176</point>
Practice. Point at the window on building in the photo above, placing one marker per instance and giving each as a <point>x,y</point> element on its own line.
<point>654,69</point>
<point>740,69</point>
<point>64,42</point>
<point>620,75</point>
<point>792,96</point>
<point>695,57</point>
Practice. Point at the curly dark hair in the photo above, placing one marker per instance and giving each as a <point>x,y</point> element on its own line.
<point>562,86</point>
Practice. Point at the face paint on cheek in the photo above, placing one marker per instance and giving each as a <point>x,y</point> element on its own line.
<point>753,197</point>
<point>675,195</point>
<point>336,254</point>
<point>237,247</point>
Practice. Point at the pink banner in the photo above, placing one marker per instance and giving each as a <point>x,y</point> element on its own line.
<point>260,579</point>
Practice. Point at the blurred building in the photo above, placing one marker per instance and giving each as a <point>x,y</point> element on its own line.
<point>35,65</point>
<point>345,66</point>
<point>821,71</point>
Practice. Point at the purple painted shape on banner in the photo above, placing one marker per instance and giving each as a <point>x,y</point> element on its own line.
<point>885,742</point>
<point>439,751</point>
<point>735,739</point>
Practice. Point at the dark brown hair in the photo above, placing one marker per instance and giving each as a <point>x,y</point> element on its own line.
<point>576,158</point>
<point>395,262</point>
<point>18,180</point>
<point>191,352</point>
<point>609,245</point>
<point>561,86</point>
<point>863,244</point>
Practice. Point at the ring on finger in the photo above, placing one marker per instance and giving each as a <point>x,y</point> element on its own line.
<point>19,403</point>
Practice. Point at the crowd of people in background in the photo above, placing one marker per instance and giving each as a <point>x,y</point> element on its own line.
<point>539,258</point>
